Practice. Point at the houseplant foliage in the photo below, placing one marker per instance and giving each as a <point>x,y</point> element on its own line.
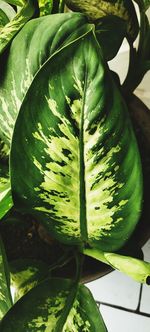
<point>68,153</point>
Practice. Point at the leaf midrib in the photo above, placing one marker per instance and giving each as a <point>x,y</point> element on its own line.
<point>82,192</point>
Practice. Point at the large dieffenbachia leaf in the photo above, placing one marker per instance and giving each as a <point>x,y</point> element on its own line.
<point>100,8</point>
<point>74,158</point>
<point>26,274</point>
<point>5,297</point>
<point>5,191</point>
<point>53,32</point>
<point>54,306</point>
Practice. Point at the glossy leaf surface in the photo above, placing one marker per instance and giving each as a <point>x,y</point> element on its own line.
<point>53,32</point>
<point>5,297</point>
<point>96,9</point>
<point>43,308</point>
<point>79,151</point>
<point>26,274</point>
<point>109,40</point>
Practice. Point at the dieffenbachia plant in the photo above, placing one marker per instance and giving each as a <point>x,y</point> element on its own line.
<point>55,305</point>
<point>74,161</point>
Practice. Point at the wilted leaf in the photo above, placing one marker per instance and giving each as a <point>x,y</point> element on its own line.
<point>74,158</point>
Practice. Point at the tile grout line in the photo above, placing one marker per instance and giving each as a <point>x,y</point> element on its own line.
<point>123,309</point>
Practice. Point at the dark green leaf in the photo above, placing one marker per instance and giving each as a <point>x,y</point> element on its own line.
<point>26,274</point>
<point>42,308</point>
<point>100,8</point>
<point>53,32</point>
<point>5,297</point>
<point>74,159</point>
<point>110,32</point>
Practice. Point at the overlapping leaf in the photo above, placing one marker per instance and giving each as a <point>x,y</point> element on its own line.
<point>96,9</point>
<point>84,174</point>
<point>5,191</point>
<point>26,274</point>
<point>6,13</point>
<point>11,28</point>
<point>109,40</point>
<point>5,297</point>
<point>143,4</point>
<point>53,32</point>
<point>55,305</point>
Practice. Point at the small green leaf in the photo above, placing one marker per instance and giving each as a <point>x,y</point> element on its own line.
<point>43,307</point>
<point>110,32</point>
<point>5,296</point>
<point>79,147</point>
<point>133,267</point>
<point>100,8</point>
<point>26,274</point>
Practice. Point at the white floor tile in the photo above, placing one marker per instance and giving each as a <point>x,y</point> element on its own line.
<point>146,251</point>
<point>122,321</point>
<point>145,300</point>
<point>116,288</point>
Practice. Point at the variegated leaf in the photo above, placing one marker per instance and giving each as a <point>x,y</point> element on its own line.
<point>26,274</point>
<point>143,4</point>
<point>133,267</point>
<point>5,191</point>
<point>45,7</point>
<point>94,9</point>
<point>54,306</point>
<point>6,13</point>
<point>74,158</point>
<point>11,28</point>
<point>53,32</point>
<point>5,297</point>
